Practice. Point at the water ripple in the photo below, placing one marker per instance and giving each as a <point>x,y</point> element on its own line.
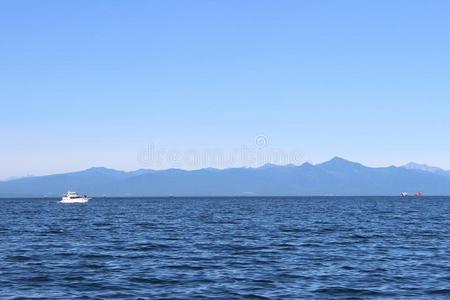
<point>226,248</point>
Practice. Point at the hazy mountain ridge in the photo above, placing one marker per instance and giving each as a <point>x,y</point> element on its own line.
<point>426,168</point>
<point>335,177</point>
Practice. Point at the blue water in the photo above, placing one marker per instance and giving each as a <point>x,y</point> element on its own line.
<point>226,248</point>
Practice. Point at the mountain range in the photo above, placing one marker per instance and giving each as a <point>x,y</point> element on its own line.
<point>337,177</point>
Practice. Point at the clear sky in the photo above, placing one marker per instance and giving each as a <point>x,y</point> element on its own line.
<point>92,83</point>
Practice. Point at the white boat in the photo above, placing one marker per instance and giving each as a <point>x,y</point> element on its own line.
<point>72,197</point>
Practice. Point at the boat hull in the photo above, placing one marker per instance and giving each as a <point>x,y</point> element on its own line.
<point>77,200</point>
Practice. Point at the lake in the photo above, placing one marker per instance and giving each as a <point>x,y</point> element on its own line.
<point>226,248</point>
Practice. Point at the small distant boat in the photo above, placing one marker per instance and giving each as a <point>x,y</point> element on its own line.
<point>404,194</point>
<point>72,197</point>
<point>418,194</point>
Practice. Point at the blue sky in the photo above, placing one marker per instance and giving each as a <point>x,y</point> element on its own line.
<point>92,83</point>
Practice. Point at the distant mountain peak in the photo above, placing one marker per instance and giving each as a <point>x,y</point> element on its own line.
<point>423,167</point>
<point>340,165</point>
<point>339,161</point>
<point>97,169</point>
<point>100,169</point>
